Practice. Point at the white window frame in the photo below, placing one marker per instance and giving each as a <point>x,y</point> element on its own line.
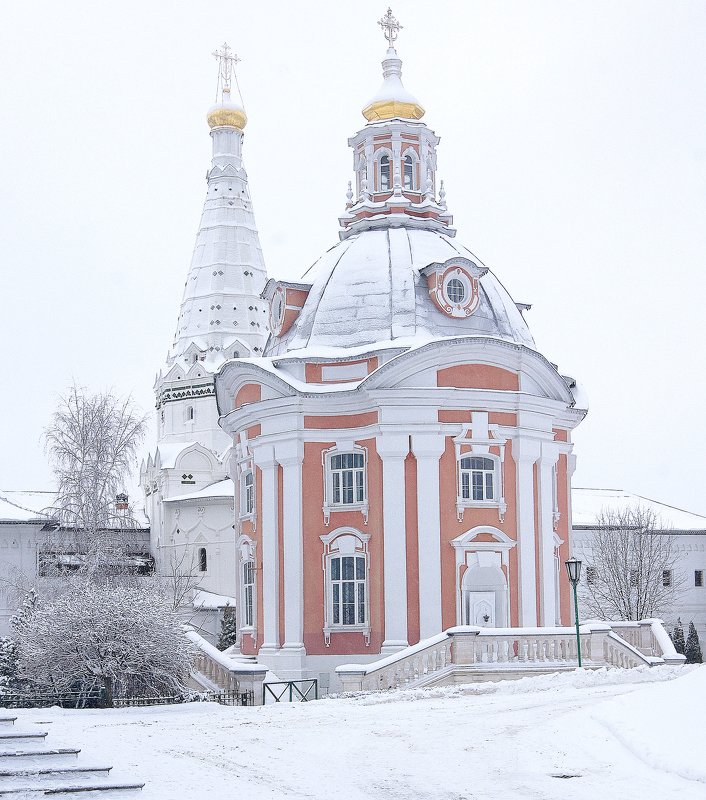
<point>330,505</point>
<point>412,156</point>
<point>246,507</point>
<point>468,443</point>
<point>345,543</point>
<point>484,471</point>
<point>246,552</point>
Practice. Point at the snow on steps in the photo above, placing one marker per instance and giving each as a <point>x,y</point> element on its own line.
<point>469,653</point>
<point>28,769</point>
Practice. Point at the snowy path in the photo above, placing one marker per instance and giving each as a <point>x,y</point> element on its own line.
<point>625,735</point>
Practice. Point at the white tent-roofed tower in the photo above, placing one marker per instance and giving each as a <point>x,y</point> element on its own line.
<point>221,316</point>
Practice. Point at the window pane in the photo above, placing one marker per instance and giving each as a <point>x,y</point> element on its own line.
<point>348,568</point>
<point>465,485</point>
<point>359,486</point>
<point>466,463</point>
<point>335,462</point>
<point>349,614</point>
<point>488,485</point>
<point>336,487</point>
<point>361,603</point>
<point>335,569</point>
<point>348,592</point>
<point>336,603</point>
<point>358,460</point>
<point>360,568</point>
<point>477,485</point>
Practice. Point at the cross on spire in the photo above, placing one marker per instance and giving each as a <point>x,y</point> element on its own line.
<point>227,60</point>
<point>390,28</point>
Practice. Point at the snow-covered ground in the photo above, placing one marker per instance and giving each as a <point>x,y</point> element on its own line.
<point>609,734</point>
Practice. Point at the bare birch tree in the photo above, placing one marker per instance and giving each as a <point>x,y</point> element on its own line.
<point>93,442</point>
<point>630,566</point>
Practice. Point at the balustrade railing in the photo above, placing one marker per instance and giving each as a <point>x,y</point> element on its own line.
<point>469,649</point>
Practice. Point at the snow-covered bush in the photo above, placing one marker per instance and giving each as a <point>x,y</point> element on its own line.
<point>677,636</point>
<point>125,640</point>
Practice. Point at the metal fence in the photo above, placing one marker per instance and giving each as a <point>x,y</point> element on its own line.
<point>96,699</point>
<point>290,691</point>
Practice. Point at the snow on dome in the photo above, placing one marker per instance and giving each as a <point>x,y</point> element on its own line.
<point>368,290</point>
<point>227,113</point>
<point>392,100</point>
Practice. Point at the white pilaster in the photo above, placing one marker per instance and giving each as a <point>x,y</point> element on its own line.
<point>526,452</point>
<point>291,456</point>
<point>427,449</point>
<point>547,570</point>
<point>393,449</point>
<point>265,459</point>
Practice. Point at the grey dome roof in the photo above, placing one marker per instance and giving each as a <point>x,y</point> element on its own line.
<point>368,290</point>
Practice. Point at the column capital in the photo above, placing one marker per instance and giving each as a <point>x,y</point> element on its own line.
<point>290,453</point>
<point>264,456</point>
<point>428,445</point>
<point>550,453</point>
<point>526,451</point>
<point>392,445</point>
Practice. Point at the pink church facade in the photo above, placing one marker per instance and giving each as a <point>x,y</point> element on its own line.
<point>402,453</point>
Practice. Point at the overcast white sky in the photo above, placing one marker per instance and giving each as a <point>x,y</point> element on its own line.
<point>573,151</point>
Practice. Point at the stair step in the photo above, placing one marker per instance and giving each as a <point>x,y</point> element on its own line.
<point>7,721</point>
<point>50,777</point>
<point>14,736</point>
<point>113,791</point>
<point>28,759</point>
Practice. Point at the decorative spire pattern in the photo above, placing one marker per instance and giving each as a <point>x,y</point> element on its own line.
<point>390,28</point>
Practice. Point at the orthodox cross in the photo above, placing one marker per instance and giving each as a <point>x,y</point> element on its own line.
<point>390,27</point>
<point>227,60</point>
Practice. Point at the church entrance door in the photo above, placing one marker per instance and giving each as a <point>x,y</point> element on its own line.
<point>480,609</point>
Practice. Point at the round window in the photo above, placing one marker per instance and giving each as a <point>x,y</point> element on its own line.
<point>456,291</point>
<point>277,312</point>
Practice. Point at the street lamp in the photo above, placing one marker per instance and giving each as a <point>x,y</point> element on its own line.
<point>573,569</point>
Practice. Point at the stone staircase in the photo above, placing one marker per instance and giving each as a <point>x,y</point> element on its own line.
<point>29,769</point>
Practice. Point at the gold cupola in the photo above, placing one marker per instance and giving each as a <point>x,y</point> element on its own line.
<point>228,113</point>
<point>392,99</point>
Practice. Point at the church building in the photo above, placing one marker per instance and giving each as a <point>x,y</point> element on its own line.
<point>401,452</point>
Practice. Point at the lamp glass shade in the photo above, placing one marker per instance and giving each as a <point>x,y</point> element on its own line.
<point>573,568</point>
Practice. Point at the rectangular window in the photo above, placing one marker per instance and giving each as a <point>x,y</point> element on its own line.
<point>248,593</point>
<point>347,478</point>
<point>666,577</point>
<point>347,577</point>
<point>477,478</point>
<point>698,577</point>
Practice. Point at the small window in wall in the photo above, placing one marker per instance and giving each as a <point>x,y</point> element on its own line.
<point>247,493</point>
<point>666,577</point>
<point>248,593</point>
<point>408,173</point>
<point>189,413</point>
<point>384,174</point>
<point>698,577</point>
<point>477,474</point>
<point>347,474</point>
<point>203,561</point>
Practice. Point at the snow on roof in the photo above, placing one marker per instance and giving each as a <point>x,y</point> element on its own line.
<point>169,452</point>
<point>209,600</point>
<point>368,289</point>
<point>222,488</point>
<point>587,505</point>
<point>25,506</point>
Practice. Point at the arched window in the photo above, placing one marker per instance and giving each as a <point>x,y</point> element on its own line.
<point>477,478</point>
<point>346,570</point>
<point>384,175</point>
<point>203,562</point>
<point>247,493</point>
<point>248,618</point>
<point>409,182</point>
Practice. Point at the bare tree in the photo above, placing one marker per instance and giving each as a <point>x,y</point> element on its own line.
<point>93,443</point>
<point>180,579</point>
<point>630,566</point>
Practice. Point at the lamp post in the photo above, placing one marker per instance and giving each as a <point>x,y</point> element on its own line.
<point>573,569</point>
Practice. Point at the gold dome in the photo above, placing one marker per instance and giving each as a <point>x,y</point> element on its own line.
<point>390,109</point>
<point>227,115</point>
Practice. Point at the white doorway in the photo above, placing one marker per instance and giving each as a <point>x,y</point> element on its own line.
<point>480,609</point>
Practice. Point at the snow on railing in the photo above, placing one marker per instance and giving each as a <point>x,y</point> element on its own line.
<point>650,637</point>
<point>223,671</point>
<point>468,649</point>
